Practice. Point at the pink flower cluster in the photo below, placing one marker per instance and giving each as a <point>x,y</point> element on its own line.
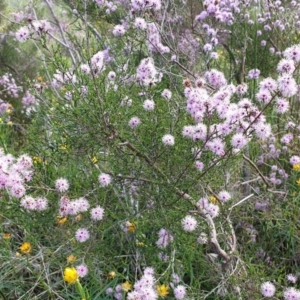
<point>165,238</point>
<point>14,173</point>
<point>35,27</point>
<point>207,207</point>
<point>30,203</point>
<point>144,289</point>
<point>72,207</point>
<point>146,72</point>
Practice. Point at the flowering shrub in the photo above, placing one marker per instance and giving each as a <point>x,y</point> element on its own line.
<point>157,139</point>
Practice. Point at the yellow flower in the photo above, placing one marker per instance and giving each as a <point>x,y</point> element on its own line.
<point>61,220</point>
<point>6,236</point>
<point>40,78</point>
<point>214,200</point>
<point>94,159</point>
<point>131,226</point>
<point>10,123</point>
<point>298,181</point>
<point>162,290</point>
<point>71,258</point>
<point>25,248</point>
<point>126,286</point>
<point>70,275</point>
<point>112,274</point>
<point>296,167</point>
<point>37,160</point>
<point>63,147</point>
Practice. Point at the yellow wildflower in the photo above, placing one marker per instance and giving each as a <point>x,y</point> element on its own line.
<point>296,167</point>
<point>71,258</point>
<point>37,160</point>
<point>6,236</point>
<point>94,159</point>
<point>214,200</point>
<point>131,226</point>
<point>63,147</point>
<point>112,274</point>
<point>10,123</point>
<point>61,220</point>
<point>298,181</point>
<point>25,248</point>
<point>40,78</point>
<point>162,290</point>
<point>70,275</point>
<point>126,286</point>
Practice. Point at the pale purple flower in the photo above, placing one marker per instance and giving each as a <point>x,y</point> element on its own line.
<point>71,208</point>
<point>291,294</point>
<point>202,239</point>
<point>17,190</point>
<point>134,122</point>
<point>199,165</point>
<point>287,85</point>
<point>253,74</point>
<point>239,141</point>
<point>291,278</point>
<point>118,30</point>
<point>140,23</point>
<point>82,235</point>
<point>180,292</point>
<point>188,131</point>
<point>23,34</point>
<point>97,213</point>
<point>214,55</point>
<point>111,75</point>
<point>85,68</point>
<point>61,185</point>
<point>215,78</point>
<point>207,47</point>
<point>109,291</point>
<point>149,105</point>
<point>28,203</point>
<point>175,278</point>
<point>224,196</point>
<point>82,270</point>
<point>41,204</point>
<point>282,105</point>
<point>118,296</point>
<point>104,179</point>
<point>294,160</point>
<point>164,238</point>
<point>292,53</point>
<point>189,223</point>
<point>82,204</point>
<point>213,210</point>
<point>286,66</point>
<point>167,94</point>
<point>262,130</point>
<point>168,140</point>
<point>268,84</point>
<point>268,289</point>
